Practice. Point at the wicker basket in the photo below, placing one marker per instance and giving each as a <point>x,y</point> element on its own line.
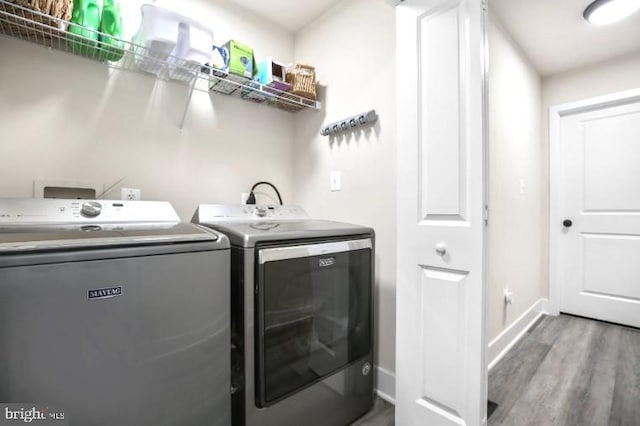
<point>302,79</point>
<point>26,21</point>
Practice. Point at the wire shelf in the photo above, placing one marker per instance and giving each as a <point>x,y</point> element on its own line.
<point>36,27</point>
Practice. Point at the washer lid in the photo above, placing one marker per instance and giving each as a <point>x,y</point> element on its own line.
<point>27,238</point>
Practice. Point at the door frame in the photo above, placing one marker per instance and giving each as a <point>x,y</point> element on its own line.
<point>556,113</point>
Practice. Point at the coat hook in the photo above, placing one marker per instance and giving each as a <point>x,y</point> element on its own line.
<point>349,123</point>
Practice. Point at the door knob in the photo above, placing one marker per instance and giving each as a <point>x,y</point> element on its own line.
<point>567,223</point>
<point>441,249</point>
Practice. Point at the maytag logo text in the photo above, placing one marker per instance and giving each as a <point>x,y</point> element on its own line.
<point>327,261</point>
<point>103,293</point>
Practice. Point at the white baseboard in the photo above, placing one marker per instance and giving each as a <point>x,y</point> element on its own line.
<point>545,306</point>
<point>386,385</point>
<point>510,336</point>
<point>551,308</point>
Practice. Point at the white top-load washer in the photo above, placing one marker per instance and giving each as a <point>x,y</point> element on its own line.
<point>113,313</point>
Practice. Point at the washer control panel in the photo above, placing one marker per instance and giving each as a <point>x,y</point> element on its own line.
<point>248,212</point>
<point>58,211</point>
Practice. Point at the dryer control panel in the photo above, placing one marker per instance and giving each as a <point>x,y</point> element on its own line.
<point>58,211</point>
<point>248,212</point>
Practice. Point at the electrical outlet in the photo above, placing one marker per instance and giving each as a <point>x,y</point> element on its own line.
<point>244,196</point>
<point>130,194</point>
<point>335,181</point>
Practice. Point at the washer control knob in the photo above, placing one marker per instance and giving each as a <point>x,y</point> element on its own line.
<point>261,211</point>
<point>91,209</point>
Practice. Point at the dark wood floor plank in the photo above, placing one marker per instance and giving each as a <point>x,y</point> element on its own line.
<point>590,376</point>
<point>545,398</point>
<point>625,408</point>
<point>591,393</point>
<point>511,376</point>
<point>549,328</point>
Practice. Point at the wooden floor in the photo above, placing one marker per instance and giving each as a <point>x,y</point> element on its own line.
<point>382,415</point>
<point>569,371</point>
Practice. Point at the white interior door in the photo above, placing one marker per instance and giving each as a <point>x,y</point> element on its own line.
<point>599,193</point>
<point>440,369</point>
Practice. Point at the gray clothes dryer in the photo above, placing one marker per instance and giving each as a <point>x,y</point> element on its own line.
<point>113,313</point>
<point>302,322</point>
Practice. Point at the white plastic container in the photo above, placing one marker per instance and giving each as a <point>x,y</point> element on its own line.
<point>193,49</point>
<point>170,37</point>
<point>158,33</point>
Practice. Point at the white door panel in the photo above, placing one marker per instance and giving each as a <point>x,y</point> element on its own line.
<point>611,182</point>
<point>442,173</point>
<point>611,262</point>
<point>440,370</point>
<point>599,191</point>
<point>444,324</point>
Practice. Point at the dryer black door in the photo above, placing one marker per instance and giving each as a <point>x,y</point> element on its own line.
<point>313,314</point>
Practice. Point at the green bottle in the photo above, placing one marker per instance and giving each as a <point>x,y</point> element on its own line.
<point>111,44</point>
<point>83,30</point>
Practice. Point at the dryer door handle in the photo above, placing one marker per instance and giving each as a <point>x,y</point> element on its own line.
<point>309,250</point>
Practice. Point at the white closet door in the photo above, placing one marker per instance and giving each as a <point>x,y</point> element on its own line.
<point>440,370</point>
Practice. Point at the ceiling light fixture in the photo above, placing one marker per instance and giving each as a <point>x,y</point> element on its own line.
<point>602,12</point>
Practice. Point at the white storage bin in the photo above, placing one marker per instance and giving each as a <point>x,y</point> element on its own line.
<point>158,32</point>
<point>193,49</point>
<point>170,37</point>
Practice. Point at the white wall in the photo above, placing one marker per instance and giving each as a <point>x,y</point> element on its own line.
<point>596,80</point>
<point>516,219</point>
<point>600,79</point>
<point>353,48</point>
<point>68,118</point>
